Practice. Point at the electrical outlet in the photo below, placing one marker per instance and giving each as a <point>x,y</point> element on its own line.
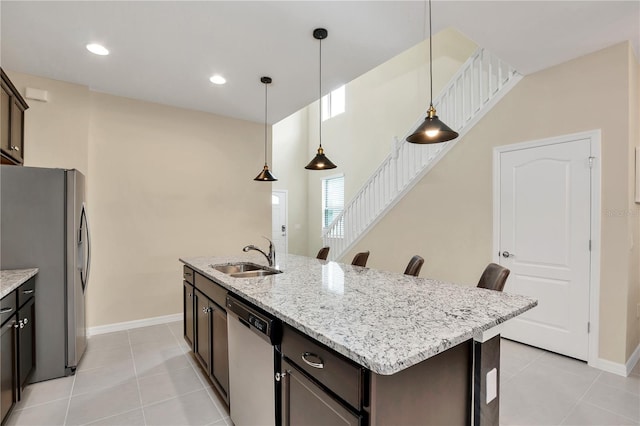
<point>492,385</point>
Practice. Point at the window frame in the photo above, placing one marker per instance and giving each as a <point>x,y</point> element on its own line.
<point>323,215</point>
<point>327,103</point>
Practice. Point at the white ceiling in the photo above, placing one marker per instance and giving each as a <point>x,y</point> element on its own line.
<point>165,51</point>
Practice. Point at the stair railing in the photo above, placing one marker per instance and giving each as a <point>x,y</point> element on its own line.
<point>477,86</point>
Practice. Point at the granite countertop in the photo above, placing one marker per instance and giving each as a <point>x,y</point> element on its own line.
<point>384,321</point>
<point>11,279</point>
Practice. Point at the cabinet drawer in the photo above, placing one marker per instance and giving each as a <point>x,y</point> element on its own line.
<point>340,375</point>
<point>8,307</point>
<point>213,291</point>
<point>187,274</point>
<point>26,291</point>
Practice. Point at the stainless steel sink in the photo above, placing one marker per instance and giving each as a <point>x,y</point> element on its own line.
<point>253,274</point>
<point>237,267</point>
<point>246,270</point>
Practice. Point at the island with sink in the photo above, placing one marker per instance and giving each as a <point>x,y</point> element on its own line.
<point>348,345</point>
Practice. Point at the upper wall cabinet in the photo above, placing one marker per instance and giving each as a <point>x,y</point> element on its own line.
<point>12,109</point>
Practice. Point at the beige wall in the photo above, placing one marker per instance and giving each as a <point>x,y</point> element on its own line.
<point>633,298</point>
<point>289,159</point>
<point>447,217</point>
<point>163,183</point>
<point>55,131</point>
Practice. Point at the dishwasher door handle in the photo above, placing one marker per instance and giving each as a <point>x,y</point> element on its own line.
<point>313,364</point>
<point>244,322</point>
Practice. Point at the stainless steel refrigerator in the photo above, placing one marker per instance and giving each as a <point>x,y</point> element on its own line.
<point>43,224</point>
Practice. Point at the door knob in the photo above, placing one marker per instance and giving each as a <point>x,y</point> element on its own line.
<point>507,254</point>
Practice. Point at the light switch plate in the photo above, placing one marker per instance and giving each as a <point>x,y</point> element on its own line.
<point>492,385</point>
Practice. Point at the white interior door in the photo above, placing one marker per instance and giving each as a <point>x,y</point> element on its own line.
<point>544,239</point>
<point>279,230</point>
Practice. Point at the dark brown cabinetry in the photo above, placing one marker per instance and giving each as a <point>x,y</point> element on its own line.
<point>319,386</point>
<point>8,369</point>
<point>220,349</point>
<point>17,344</point>
<point>26,341</point>
<point>305,403</point>
<point>205,327</point>
<point>12,107</point>
<point>188,297</point>
<point>203,330</point>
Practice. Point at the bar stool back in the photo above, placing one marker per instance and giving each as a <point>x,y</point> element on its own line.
<point>414,266</point>
<point>360,259</point>
<point>323,253</point>
<point>494,277</point>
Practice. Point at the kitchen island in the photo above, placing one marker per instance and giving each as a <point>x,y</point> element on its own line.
<point>425,346</point>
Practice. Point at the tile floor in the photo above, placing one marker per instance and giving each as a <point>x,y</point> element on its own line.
<point>143,376</point>
<point>146,376</point>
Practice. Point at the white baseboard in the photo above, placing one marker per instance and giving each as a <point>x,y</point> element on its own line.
<point>610,367</point>
<point>618,368</point>
<point>633,359</point>
<point>127,325</point>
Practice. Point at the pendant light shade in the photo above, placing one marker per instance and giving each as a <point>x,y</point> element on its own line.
<point>265,175</point>
<point>432,130</point>
<point>320,161</point>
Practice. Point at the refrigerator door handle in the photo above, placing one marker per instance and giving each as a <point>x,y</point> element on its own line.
<point>87,259</point>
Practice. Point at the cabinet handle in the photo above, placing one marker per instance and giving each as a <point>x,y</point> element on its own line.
<point>187,274</point>
<point>312,363</point>
<point>15,325</point>
<point>15,148</point>
<point>26,321</point>
<point>206,310</point>
<point>27,291</point>
<point>6,310</point>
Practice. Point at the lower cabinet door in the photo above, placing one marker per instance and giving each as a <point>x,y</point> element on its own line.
<point>220,369</point>
<point>189,321</point>
<point>8,368</point>
<point>203,330</point>
<point>27,340</point>
<point>305,403</point>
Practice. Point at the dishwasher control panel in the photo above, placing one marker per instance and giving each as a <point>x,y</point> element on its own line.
<point>261,323</point>
<point>258,323</point>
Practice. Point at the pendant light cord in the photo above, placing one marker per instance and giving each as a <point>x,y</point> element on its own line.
<point>265,124</point>
<point>430,59</point>
<point>320,96</point>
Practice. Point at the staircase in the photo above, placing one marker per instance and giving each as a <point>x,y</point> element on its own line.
<point>479,84</point>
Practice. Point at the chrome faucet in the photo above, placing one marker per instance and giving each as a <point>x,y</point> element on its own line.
<point>271,257</point>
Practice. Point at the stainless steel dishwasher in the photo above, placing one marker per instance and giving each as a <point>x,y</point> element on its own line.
<point>253,391</point>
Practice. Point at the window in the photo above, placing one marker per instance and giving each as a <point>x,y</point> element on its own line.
<point>332,201</point>
<point>333,104</point>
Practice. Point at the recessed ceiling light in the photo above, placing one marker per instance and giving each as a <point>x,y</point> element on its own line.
<point>217,79</point>
<point>98,49</point>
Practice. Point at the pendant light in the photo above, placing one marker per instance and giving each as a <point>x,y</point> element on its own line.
<point>320,161</point>
<point>432,130</point>
<point>265,175</point>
